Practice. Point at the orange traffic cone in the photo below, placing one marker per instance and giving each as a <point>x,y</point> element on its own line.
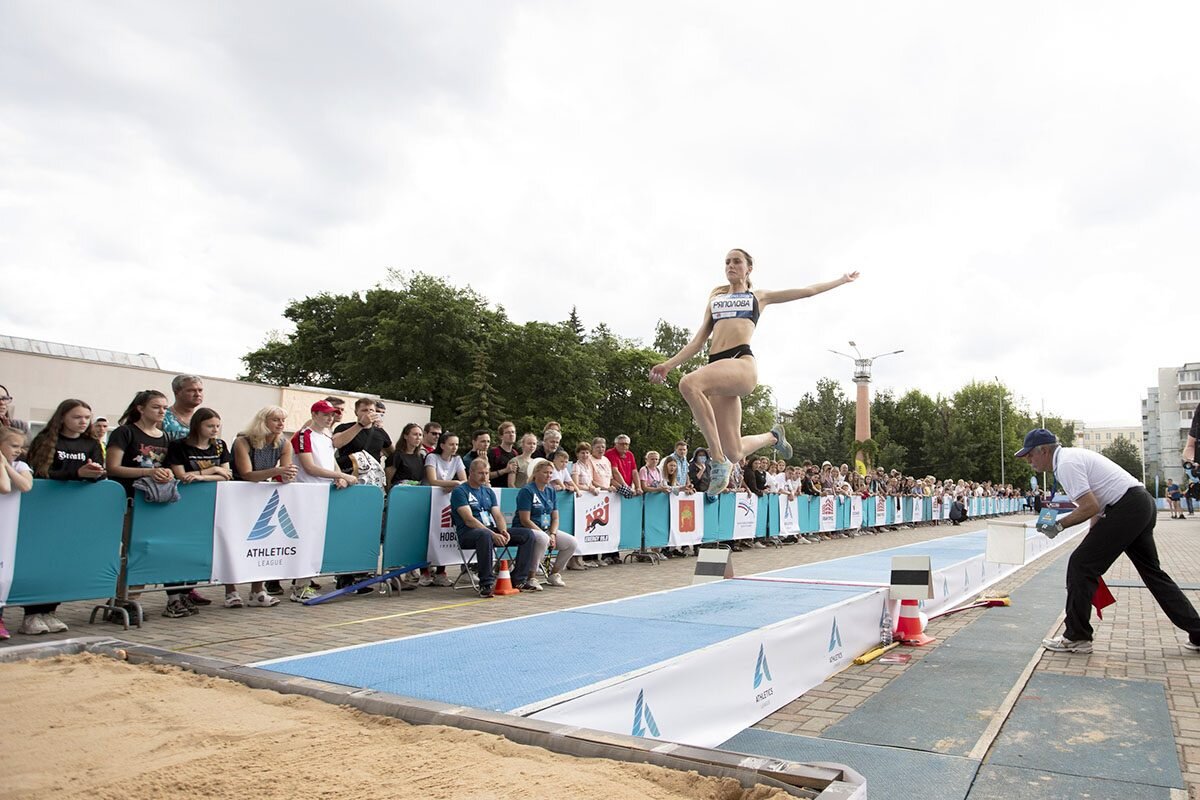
<point>504,580</point>
<point>909,628</point>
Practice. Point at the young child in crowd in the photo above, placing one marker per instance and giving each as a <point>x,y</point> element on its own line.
<point>15,477</point>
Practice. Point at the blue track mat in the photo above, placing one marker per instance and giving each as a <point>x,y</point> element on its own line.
<point>891,773</point>
<point>877,567</point>
<point>458,666</point>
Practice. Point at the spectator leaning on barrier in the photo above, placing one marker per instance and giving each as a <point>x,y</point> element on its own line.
<point>15,476</point>
<point>1122,515</point>
<point>138,447</point>
<point>481,527</point>
<point>443,469</point>
<point>582,472</point>
<point>674,479</point>
<point>501,457</point>
<point>537,510</point>
<point>406,465</point>
<point>6,418</point>
<point>200,456</point>
<point>316,463</point>
<point>651,474</point>
<point>62,451</point>
<point>624,467</point>
<point>561,479</point>
<point>189,395</point>
<point>602,479</point>
<point>261,452</point>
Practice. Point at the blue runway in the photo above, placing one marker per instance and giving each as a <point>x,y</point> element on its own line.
<point>597,644</point>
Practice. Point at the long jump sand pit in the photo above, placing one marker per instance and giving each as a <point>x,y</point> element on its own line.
<point>91,726</point>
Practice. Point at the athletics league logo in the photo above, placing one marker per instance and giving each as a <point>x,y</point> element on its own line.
<point>835,643</point>
<point>762,672</point>
<point>643,720</point>
<point>277,511</point>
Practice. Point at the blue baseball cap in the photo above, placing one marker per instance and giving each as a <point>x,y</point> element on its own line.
<point>1034,438</point>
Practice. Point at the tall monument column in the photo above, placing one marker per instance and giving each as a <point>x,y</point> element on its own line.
<point>862,408</point>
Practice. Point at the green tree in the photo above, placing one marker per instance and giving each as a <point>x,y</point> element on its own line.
<point>480,406</point>
<point>1125,454</point>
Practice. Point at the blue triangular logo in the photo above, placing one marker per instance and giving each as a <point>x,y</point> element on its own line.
<point>761,670</point>
<point>643,720</point>
<point>273,509</point>
<point>945,587</point>
<point>835,637</point>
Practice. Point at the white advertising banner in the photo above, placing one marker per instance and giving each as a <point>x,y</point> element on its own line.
<point>918,509</point>
<point>268,531</point>
<point>443,536</point>
<point>687,519</point>
<point>898,509</point>
<point>880,510</point>
<point>10,512</point>
<point>937,507</point>
<point>789,515</point>
<point>743,679</point>
<point>856,509</point>
<point>745,516</point>
<point>598,523</point>
<point>827,514</point>
<point>947,502</point>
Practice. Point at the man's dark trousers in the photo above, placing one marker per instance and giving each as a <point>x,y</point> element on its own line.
<point>1126,527</point>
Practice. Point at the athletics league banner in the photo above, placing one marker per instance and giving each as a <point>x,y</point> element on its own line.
<point>598,523</point>
<point>828,514</point>
<point>789,515</point>
<point>10,512</point>
<point>443,537</point>
<point>268,531</point>
<point>687,520</point>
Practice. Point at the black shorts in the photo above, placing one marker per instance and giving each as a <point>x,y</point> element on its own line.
<point>733,352</point>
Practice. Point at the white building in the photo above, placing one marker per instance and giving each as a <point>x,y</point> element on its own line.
<point>1167,413</point>
<point>1098,437</point>
<point>39,375</point>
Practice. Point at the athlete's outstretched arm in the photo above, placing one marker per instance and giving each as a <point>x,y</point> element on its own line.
<point>658,373</point>
<point>766,298</point>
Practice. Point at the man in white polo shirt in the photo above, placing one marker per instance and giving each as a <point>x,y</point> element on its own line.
<point>1122,515</point>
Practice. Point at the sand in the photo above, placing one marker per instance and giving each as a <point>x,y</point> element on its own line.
<point>91,726</point>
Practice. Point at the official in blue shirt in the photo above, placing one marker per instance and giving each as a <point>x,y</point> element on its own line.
<point>472,502</point>
<point>537,510</point>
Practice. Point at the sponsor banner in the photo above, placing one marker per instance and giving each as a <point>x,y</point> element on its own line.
<point>937,508</point>
<point>947,502</point>
<point>745,518</point>
<point>743,679</point>
<point>598,523</point>
<point>789,515</point>
<point>880,510</point>
<point>687,519</point>
<point>856,513</point>
<point>827,515</point>
<point>898,509</point>
<point>442,550</point>
<point>268,531</point>
<point>918,509</point>
<point>10,512</point>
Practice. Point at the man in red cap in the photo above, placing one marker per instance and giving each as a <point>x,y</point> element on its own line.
<point>1122,515</point>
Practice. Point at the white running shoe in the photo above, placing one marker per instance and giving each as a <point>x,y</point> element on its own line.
<point>55,624</point>
<point>781,443</point>
<point>33,625</point>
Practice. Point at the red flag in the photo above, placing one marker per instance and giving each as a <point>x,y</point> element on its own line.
<point>1103,598</point>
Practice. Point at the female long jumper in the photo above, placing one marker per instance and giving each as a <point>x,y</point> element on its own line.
<point>715,391</point>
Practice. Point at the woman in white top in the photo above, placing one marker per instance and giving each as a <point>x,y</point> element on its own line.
<point>651,474</point>
<point>714,391</point>
<point>444,467</point>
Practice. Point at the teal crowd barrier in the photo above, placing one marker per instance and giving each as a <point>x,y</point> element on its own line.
<point>68,542</point>
<point>656,519</point>
<point>173,542</point>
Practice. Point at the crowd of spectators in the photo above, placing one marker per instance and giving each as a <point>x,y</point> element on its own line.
<point>162,442</point>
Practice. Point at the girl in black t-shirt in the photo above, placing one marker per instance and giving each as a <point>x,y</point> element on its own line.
<point>407,464</point>
<point>138,448</point>
<point>62,451</point>
<point>202,455</point>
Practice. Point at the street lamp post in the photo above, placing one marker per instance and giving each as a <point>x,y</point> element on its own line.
<point>862,378</point>
<point>1001,387</point>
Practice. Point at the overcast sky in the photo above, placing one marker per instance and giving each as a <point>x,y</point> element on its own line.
<point>1017,182</point>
